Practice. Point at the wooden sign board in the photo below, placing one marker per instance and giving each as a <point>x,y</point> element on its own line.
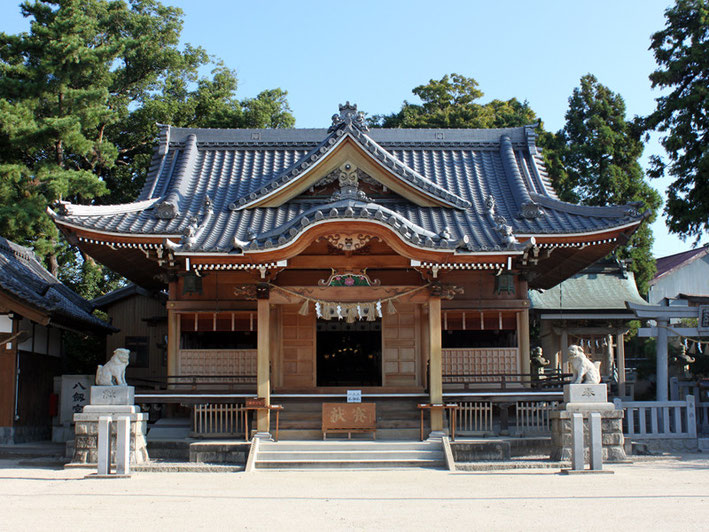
<point>259,402</point>
<point>349,417</point>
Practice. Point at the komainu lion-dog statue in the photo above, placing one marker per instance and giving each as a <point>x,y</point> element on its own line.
<point>114,369</point>
<point>583,369</point>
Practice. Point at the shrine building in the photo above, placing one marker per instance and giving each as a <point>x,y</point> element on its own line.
<point>320,260</point>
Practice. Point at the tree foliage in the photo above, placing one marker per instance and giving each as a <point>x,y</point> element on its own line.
<point>681,50</point>
<point>80,95</point>
<point>452,102</point>
<point>594,161</point>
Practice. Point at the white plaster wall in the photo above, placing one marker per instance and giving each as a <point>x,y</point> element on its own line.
<point>692,279</point>
<point>5,324</point>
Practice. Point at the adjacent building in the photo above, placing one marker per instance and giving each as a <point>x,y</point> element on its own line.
<point>35,311</point>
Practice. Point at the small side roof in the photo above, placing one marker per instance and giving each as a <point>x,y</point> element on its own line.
<point>600,287</point>
<point>26,283</point>
<point>104,301</point>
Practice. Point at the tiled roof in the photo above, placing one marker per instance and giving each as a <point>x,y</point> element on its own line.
<point>597,288</point>
<point>202,183</point>
<point>24,278</point>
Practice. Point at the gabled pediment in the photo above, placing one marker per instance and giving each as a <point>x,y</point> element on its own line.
<point>348,149</point>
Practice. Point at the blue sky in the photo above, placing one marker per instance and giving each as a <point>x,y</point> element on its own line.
<point>374,52</point>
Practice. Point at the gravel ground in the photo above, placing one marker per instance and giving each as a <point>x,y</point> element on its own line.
<point>659,494</point>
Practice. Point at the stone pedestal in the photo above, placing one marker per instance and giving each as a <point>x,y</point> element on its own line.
<point>586,399</point>
<point>114,401</point>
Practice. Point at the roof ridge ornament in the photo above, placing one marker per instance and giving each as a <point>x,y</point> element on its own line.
<point>348,116</point>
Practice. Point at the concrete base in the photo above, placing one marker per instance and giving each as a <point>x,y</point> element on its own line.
<point>612,438</point>
<point>586,471</point>
<point>436,435</point>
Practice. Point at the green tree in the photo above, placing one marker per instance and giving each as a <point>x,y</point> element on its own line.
<point>681,50</point>
<point>594,161</point>
<point>80,93</point>
<point>451,102</point>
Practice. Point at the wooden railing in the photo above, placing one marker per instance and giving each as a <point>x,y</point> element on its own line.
<point>474,418</point>
<point>194,382</point>
<point>218,420</point>
<point>532,417</point>
<point>552,380</point>
<point>659,419</point>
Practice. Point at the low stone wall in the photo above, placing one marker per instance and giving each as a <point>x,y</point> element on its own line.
<point>220,452</point>
<point>24,434</point>
<point>664,445</point>
<point>611,429</point>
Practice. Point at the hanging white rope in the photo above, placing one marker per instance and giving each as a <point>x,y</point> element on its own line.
<point>350,311</point>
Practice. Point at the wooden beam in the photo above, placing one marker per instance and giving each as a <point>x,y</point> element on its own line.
<point>651,332</point>
<point>523,333</point>
<point>355,262</point>
<point>23,309</point>
<point>173,341</point>
<point>211,305</point>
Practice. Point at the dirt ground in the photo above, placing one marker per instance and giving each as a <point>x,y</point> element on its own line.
<point>661,494</point>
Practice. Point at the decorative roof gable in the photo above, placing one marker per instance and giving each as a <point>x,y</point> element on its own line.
<point>348,147</point>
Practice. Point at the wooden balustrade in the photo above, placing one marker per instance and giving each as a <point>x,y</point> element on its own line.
<point>218,419</point>
<point>532,417</point>
<point>474,417</point>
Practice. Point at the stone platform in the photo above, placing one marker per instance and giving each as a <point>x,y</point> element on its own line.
<point>586,399</point>
<point>114,401</point>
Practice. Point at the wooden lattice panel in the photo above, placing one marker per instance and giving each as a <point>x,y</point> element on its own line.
<point>237,362</point>
<point>479,361</point>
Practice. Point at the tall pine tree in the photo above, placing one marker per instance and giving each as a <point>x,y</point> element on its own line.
<point>452,102</point>
<point>80,94</point>
<point>682,53</point>
<point>594,160</point>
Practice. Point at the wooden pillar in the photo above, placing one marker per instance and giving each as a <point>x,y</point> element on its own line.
<point>263,371</point>
<point>435,361</point>
<point>173,341</point>
<point>620,361</point>
<point>564,348</point>
<point>523,335</point>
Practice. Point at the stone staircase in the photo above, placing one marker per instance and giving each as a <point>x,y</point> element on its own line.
<point>348,455</point>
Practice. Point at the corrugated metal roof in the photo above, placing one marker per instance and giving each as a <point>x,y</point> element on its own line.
<point>672,262</point>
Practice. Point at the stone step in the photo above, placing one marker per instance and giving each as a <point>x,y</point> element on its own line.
<point>299,433</point>
<point>348,455</point>
<point>348,446</point>
<point>354,464</point>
